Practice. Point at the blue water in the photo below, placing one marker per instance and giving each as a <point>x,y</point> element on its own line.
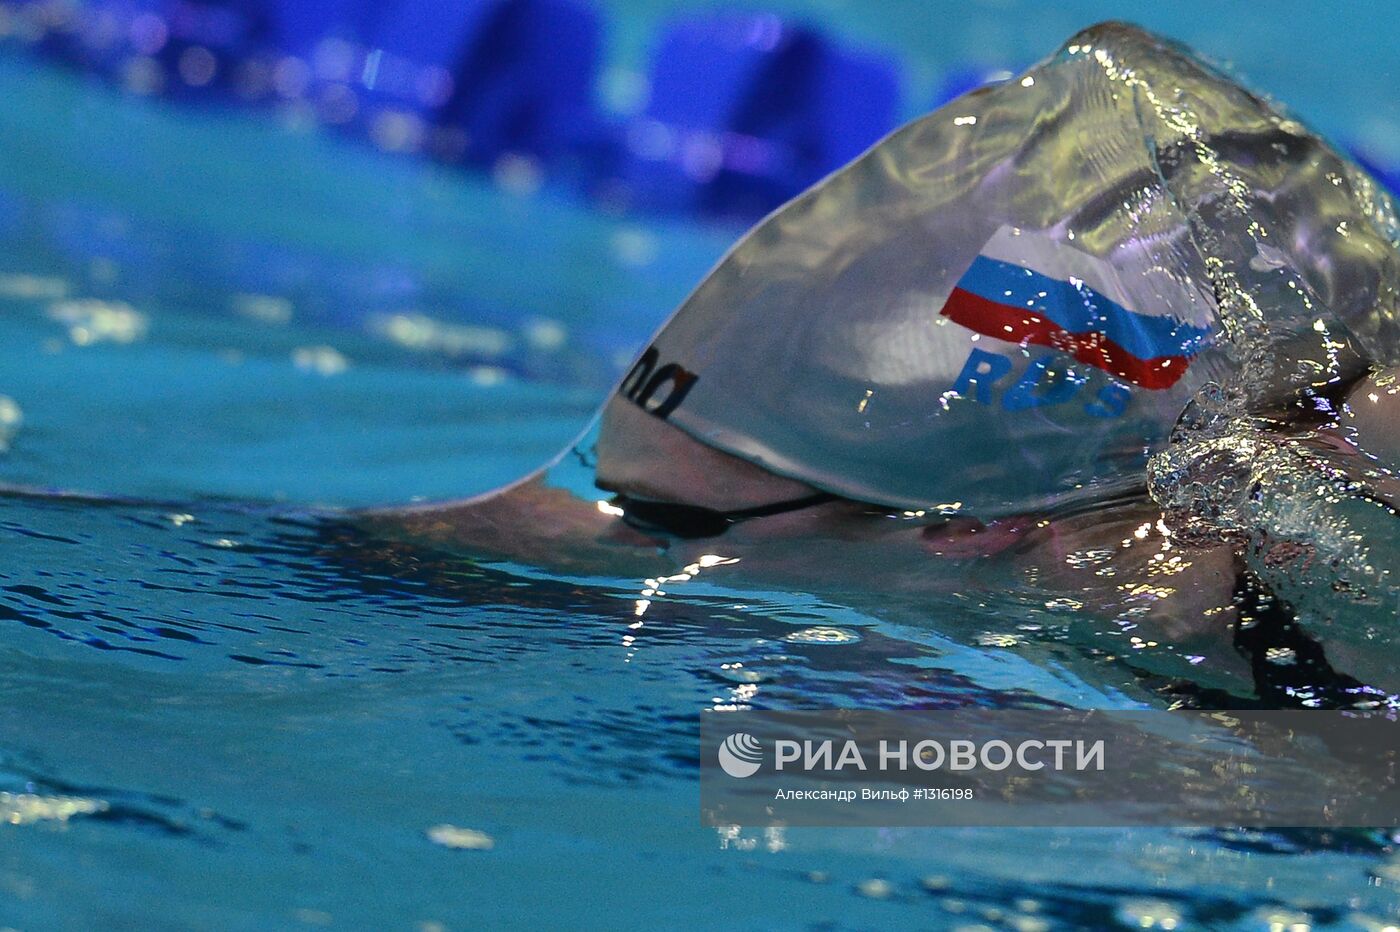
<point>253,718</point>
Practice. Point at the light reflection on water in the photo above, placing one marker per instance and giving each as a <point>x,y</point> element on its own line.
<point>310,703</point>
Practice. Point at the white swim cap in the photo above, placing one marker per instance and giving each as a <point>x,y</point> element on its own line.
<point>1006,304</point>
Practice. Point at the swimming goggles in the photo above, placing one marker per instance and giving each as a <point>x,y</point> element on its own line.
<point>692,522</point>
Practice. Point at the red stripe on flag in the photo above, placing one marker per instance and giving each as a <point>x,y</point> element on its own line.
<point>1018,325</point>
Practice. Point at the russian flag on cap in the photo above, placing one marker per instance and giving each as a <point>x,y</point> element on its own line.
<point>1030,288</point>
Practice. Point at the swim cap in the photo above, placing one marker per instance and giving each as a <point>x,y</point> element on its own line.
<point>1006,304</point>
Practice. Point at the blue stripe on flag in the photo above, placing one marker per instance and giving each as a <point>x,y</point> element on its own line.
<point>1081,309</point>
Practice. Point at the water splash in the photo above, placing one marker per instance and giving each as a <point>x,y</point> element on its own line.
<point>1301,252</point>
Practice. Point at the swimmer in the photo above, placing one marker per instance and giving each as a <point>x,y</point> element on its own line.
<point>978,343</point>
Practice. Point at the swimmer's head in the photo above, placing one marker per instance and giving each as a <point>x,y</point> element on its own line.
<point>998,313</point>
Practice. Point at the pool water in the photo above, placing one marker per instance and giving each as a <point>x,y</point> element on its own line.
<point>222,708</point>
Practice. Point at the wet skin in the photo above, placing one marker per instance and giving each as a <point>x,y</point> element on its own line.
<point>1121,567</point>
<point>881,562</point>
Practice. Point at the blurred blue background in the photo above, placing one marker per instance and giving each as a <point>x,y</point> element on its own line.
<point>714,110</point>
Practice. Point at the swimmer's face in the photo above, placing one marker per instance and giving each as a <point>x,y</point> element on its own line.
<point>643,457</point>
